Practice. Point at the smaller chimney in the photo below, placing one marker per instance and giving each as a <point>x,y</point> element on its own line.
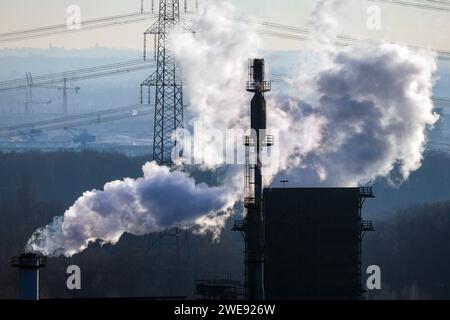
<point>29,265</point>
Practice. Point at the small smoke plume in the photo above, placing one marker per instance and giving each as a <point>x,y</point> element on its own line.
<point>323,25</point>
<point>160,200</point>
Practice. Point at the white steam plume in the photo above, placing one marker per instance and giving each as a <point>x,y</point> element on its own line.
<point>349,115</point>
<point>365,110</point>
<point>160,200</point>
<point>371,109</point>
<point>214,67</point>
<point>163,199</point>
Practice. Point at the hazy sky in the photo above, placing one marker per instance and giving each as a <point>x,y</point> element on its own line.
<point>400,24</point>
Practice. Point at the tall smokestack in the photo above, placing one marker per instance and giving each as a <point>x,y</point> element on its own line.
<point>254,256</point>
<point>29,265</point>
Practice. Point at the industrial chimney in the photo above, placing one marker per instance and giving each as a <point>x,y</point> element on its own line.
<point>29,265</point>
<point>253,225</point>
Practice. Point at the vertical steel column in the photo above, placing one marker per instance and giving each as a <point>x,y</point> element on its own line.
<point>254,223</point>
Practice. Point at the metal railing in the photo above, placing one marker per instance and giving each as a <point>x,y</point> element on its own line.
<point>263,86</point>
<point>268,141</point>
<point>366,225</point>
<point>366,192</point>
<point>29,260</point>
<point>249,202</point>
<point>239,225</point>
<point>248,141</point>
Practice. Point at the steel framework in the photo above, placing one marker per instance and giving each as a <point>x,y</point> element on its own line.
<point>166,81</point>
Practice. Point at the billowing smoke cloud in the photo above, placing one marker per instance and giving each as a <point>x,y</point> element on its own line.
<point>371,111</point>
<point>163,199</point>
<point>364,109</point>
<point>349,117</point>
<point>160,200</point>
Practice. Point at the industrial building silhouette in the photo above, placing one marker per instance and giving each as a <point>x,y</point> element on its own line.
<point>300,243</point>
<point>312,245</point>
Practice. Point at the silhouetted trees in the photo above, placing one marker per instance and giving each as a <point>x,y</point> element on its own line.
<point>413,252</point>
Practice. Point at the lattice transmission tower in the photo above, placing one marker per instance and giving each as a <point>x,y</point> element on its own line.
<point>166,81</point>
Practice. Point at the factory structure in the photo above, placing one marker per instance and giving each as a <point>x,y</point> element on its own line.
<point>29,265</point>
<point>300,243</point>
<point>313,242</point>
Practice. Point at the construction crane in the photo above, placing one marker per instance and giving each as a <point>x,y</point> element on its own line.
<point>52,79</point>
<point>64,89</point>
<point>29,94</point>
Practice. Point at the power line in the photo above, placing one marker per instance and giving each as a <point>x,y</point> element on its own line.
<point>72,72</point>
<point>118,113</point>
<point>429,6</point>
<point>297,33</point>
<point>114,114</point>
<point>36,124</point>
<point>77,75</point>
<point>86,25</point>
<point>130,18</point>
<point>443,2</point>
<point>278,77</point>
<point>443,102</point>
<point>64,26</point>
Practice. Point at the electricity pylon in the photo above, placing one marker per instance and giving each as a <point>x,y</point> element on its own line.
<point>166,81</point>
